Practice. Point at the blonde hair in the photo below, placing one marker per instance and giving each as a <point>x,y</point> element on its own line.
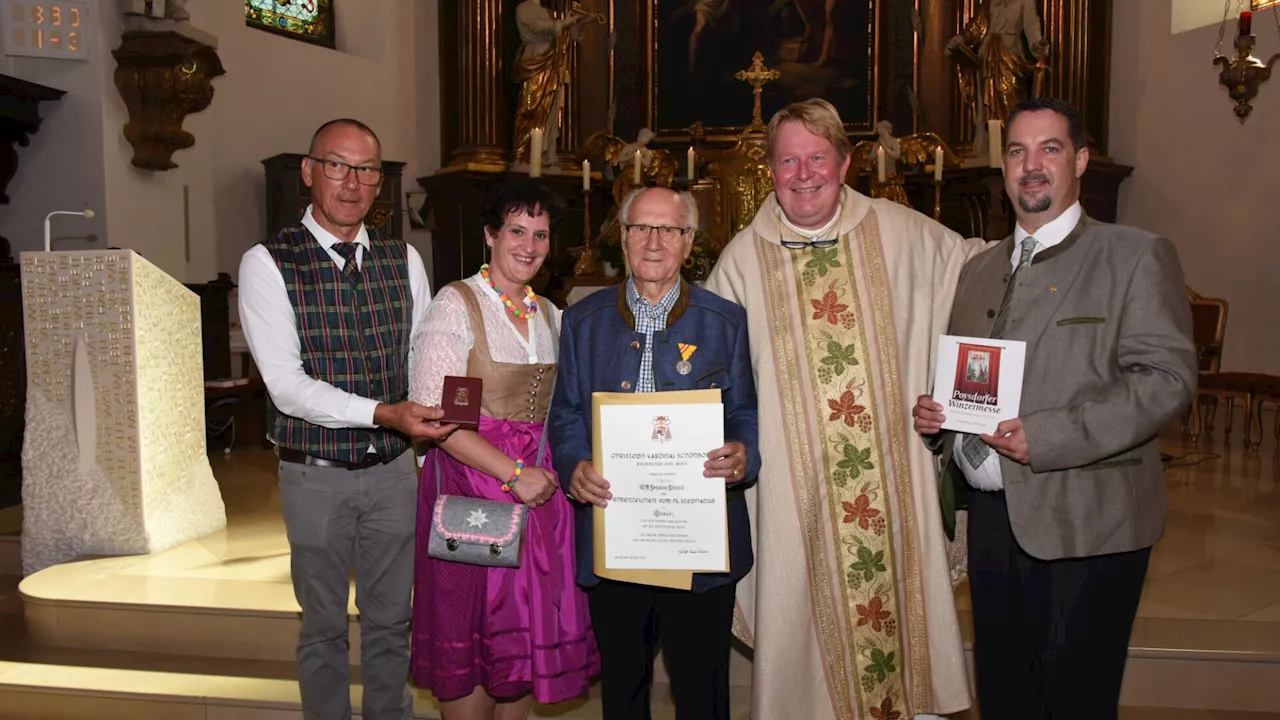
<point>819,117</point>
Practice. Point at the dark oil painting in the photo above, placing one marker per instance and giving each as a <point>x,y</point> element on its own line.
<point>823,48</point>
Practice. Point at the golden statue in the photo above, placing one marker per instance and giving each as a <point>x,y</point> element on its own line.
<point>993,65</point>
<point>542,69</point>
<point>917,149</point>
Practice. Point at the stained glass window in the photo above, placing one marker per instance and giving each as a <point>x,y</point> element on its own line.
<point>307,20</point>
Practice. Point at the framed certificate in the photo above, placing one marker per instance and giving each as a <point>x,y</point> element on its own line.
<point>665,521</point>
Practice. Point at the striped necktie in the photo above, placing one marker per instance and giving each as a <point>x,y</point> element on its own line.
<point>974,450</point>
<point>350,269</point>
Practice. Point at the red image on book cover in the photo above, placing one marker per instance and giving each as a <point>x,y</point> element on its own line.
<point>977,374</point>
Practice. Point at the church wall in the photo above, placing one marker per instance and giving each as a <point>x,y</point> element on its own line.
<point>61,168</point>
<point>1202,179</point>
<point>276,91</point>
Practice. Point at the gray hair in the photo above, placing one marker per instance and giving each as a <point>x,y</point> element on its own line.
<point>686,199</point>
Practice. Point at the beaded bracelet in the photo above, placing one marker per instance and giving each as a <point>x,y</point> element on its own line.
<point>506,486</point>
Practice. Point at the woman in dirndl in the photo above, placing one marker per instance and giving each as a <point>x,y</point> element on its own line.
<point>489,641</point>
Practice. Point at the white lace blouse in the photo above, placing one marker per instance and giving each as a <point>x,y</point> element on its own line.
<point>447,337</point>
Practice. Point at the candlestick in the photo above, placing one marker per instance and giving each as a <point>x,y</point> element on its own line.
<point>691,157</point>
<point>880,163</point>
<point>995,144</point>
<point>535,152</point>
<point>586,175</point>
<point>1246,23</point>
<point>586,264</point>
<point>937,164</point>
<point>937,196</point>
<point>635,168</point>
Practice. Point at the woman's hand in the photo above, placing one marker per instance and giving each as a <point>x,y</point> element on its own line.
<point>535,486</point>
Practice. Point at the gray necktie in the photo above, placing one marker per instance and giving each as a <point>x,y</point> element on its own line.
<point>973,449</point>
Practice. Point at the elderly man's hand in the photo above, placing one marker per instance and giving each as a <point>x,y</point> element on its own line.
<point>586,486</point>
<point>728,462</point>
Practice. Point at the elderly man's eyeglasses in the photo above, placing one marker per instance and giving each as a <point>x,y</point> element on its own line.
<point>816,244</point>
<point>666,233</point>
<point>338,170</point>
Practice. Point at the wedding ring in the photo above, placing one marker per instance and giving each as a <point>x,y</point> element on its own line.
<point>736,472</point>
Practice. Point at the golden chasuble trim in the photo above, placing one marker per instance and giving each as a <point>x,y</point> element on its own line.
<point>912,581</point>
<point>858,490</point>
<point>839,395</point>
<point>789,391</point>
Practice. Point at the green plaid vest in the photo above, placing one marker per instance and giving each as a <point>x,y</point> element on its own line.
<point>354,336</point>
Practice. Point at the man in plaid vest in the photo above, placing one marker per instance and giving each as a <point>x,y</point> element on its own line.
<point>330,310</point>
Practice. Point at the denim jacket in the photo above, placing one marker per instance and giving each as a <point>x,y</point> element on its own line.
<point>600,352</point>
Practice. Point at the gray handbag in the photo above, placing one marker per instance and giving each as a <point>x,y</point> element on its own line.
<point>478,531</point>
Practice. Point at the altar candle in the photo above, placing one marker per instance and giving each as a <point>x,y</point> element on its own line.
<point>937,164</point>
<point>880,163</point>
<point>1246,22</point>
<point>535,153</point>
<point>995,144</point>
<point>635,168</point>
<point>586,174</point>
<point>691,162</point>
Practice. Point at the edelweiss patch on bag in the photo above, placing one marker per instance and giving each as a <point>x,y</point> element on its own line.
<point>476,531</point>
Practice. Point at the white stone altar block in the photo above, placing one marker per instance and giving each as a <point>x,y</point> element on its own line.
<point>114,459</point>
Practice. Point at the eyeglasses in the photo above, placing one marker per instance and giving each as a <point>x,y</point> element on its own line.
<point>338,170</point>
<point>666,233</point>
<point>816,244</point>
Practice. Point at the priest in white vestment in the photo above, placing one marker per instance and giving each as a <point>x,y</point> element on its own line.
<point>850,609</point>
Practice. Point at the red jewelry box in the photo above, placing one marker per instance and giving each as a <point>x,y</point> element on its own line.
<point>461,401</point>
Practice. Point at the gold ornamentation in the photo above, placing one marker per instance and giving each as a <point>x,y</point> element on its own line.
<point>1243,74</point>
<point>162,77</point>
<point>756,76</point>
<point>462,397</point>
<point>993,69</point>
<point>775,269</point>
<point>871,616</point>
<point>917,150</point>
<point>380,218</point>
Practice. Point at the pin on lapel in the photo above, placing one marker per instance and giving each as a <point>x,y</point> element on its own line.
<point>1053,288</point>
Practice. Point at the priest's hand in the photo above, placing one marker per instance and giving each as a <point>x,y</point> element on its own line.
<point>417,421</point>
<point>1010,440</point>
<point>927,415</point>
<point>728,462</point>
<point>535,486</point>
<point>586,486</point>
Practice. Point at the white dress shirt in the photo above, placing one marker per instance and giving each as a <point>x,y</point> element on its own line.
<point>270,329</point>
<point>987,475</point>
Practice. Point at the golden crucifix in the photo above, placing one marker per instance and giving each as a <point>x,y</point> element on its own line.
<point>757,75</point>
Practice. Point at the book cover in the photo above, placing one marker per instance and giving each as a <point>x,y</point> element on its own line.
<point>978,382</point>
<point>460,401</point>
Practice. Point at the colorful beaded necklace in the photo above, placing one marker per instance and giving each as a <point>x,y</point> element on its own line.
<point>530,299</point>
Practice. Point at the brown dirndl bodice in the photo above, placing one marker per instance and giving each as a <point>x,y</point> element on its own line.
<point>512,391</point>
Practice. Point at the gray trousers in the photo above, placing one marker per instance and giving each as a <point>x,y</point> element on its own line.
<point>335,518</point>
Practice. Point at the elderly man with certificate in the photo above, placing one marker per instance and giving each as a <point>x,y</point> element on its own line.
<point>655,393</point>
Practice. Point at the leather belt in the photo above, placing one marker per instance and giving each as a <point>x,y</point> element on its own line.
<point>297,456</point>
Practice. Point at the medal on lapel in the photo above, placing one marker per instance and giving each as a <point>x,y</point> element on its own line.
<point>686,351</point>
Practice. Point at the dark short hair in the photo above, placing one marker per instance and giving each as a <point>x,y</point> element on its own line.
<point>520,193</point>
<point>343,121</point>
<point>1075,121</point>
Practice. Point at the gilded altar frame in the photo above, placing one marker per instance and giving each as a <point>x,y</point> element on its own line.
<point>858,120</point>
